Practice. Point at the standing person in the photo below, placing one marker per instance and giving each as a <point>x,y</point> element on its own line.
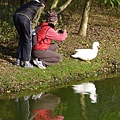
<point>44,51</point>
<point>23,22</point>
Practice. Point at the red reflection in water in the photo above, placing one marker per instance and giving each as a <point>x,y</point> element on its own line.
<point>46,115</point>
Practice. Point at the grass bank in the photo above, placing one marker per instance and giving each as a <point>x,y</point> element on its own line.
<point>103,27</point>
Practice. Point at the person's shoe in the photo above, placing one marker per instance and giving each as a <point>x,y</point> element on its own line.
<point>27,64</point>
<point>39,63</point>
<point>18,62</point>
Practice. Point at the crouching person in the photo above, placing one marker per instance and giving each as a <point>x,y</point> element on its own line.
<point>44,51</point>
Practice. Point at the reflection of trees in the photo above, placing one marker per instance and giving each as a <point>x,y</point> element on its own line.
<point>73,106</point>
<point>11,110</point>
<point>6,109</point>
<point>19,108</point>
<point>108,104</point>
<point>83,106</point>
<point>59,110</point>
<point>80,107</point>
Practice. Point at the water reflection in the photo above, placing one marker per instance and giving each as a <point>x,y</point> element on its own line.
<point>43,108</point>
<point>83,89</point>
<point>21,108</point>
<point>86,88</point>
<point>37,107</point>
<point>76,102</point>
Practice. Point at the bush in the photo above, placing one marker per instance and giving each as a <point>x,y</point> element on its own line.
<point>7,29</point>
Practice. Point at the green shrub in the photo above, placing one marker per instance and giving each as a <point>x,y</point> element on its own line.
<point>7,29</point>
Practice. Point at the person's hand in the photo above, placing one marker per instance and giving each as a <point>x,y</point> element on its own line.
<point>60,31</point>
<point>43,5</point>
<point>65,30</point>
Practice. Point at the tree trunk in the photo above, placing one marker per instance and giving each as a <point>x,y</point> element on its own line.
<point>85,16</point>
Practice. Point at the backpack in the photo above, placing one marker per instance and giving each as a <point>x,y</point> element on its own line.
<point>34,36</point>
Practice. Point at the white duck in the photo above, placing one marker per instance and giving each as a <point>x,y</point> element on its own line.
<point>86,88</point>
<point>87,54</point>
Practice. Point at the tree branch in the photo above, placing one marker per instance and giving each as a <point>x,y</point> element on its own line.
<point>59,9</point>
<point>54,4</point>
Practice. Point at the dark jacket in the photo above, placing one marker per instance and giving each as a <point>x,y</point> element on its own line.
<point>29,9</point>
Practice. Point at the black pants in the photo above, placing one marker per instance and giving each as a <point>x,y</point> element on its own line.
<point>23,26</point>
<point>48,57</point>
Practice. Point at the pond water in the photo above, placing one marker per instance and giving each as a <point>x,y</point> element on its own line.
<point>99,100</point>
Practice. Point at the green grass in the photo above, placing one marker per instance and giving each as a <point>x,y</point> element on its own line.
<point>21,79</point>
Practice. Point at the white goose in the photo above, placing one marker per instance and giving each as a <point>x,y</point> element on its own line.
<point>86,88</point>
<point>87,54</point>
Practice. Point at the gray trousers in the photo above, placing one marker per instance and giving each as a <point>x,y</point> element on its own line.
<point>48,57</point>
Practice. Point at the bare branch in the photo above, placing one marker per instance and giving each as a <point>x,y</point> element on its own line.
<point>64,6</point>
<point>54,4</point>
<point>59,9</point>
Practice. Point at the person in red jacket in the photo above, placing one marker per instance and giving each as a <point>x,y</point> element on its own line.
<point>44,52</point>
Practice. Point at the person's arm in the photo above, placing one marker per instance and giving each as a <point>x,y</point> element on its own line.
<point>54,35</point>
